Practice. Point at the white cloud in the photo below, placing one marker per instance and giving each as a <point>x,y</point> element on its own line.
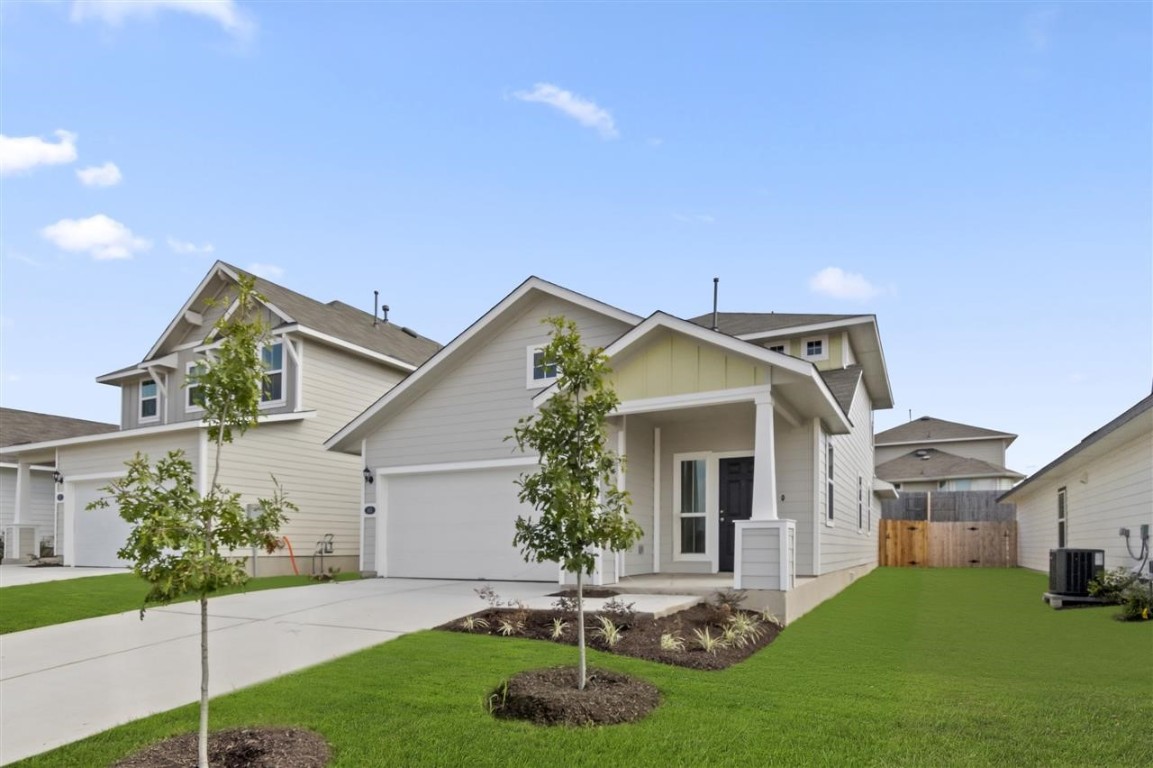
<point>23,153</point>
<point>99,236</point>
<point>267,271</point>
<point>180,246</point>
<point>114,12</point>
<point>585,112</point>
<point>835,282</point>
<point>107,175</point>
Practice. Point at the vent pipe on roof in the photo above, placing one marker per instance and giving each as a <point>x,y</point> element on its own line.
<point>716,281</point>
<point>375,306</point>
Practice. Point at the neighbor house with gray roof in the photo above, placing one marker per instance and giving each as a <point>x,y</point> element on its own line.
<point>325,362</point>
<point>748,446</point>
<point>931,454</point>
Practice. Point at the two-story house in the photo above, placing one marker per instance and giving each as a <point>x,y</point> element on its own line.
<point>748,446</point>
<point>325,364</point>
<point>930,454</point>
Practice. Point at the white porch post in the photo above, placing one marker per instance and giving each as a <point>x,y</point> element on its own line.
<point>765,464</point>
<point>23,511</point>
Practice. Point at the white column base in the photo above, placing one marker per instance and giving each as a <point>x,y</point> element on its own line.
<point>765,554</point>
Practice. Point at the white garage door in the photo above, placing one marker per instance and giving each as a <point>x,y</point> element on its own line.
<point>97,533</point>
<point>457,525</point>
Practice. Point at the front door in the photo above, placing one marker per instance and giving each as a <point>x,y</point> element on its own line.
<point>736,503</point>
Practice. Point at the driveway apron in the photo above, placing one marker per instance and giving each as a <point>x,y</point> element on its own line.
<point>62,683</point>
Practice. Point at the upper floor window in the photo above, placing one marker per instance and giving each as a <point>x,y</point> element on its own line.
<point>539,374</point>
<point>192,397</point>
<point>778,348</point>
<point>816,348</point>
<point>830,488</point>
<point>273,357</point>
<point>149,401</point>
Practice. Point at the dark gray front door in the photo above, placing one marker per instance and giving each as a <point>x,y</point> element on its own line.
<point>736,503</point>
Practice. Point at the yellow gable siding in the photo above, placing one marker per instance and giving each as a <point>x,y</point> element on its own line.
<point>675,365</point>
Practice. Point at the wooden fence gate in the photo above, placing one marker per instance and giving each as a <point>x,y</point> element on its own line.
<point>948,545</point>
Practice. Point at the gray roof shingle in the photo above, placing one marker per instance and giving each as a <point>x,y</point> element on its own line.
<point>20,427</point>
<point>927,428</point>
<point>842,382</point>
<point>938,465</point>
<point>742,323</point>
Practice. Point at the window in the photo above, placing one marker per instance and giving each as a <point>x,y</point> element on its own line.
<point>273,357</point>
<point>692,506</point>
<point>539,374</point>
<point>860,503</point>
<point>778,348</point>
<point>192,401</point>
<point>1062,518</point>
<point>149,401</point>
<point>829,511</point>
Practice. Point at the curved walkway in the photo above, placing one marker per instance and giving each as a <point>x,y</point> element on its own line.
<point>59,684</point>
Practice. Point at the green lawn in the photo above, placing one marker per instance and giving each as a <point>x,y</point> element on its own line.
<point>906,667</point>
<point>55,602</point>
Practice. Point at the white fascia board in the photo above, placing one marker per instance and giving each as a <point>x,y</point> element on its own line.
<point>691,400</point>
<point>944,440</point>
<point>801,329</point>
<point>126,434</point>
<point>307,332</point>
<point>459,466</point>
<point>121,375</point>
<point>350,435</point>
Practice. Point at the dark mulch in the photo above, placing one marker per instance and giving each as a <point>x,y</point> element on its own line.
<point>238,748</point>
<point>551,697</point>
<point>640,633</point>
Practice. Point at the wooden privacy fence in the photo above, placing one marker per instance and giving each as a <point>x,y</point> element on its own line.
<point>948,545</point>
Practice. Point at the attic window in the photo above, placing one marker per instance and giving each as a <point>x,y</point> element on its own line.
<point>539,374</point>
<point>816,348</point>
<point>778,348</point>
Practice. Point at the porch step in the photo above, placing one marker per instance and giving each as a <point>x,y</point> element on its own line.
<point>657,605</point>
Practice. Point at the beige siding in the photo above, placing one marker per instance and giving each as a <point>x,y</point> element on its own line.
<point>43,496</point>
<point>795,484</point>
<point>992,451</point>
<point>1117,492</point>
<point>843,544</point>
<point>107,457</point>
<point>326,485</point>
<point>467,414</point>
<point>671,364</point>
<point>639,483</point>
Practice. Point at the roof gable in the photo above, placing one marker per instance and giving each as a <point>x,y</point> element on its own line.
<point>928,429</point>
<point>933,464</point>
<point>748,323</point>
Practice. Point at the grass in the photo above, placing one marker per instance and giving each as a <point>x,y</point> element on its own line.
<point>55,602</point>
<point>906,667</point>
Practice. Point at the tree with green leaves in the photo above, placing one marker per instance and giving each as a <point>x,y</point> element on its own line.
<point>184,542</point>
<point>574,491</point>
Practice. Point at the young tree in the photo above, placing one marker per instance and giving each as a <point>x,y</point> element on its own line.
<point>574,491</point>
<point>181,540</point>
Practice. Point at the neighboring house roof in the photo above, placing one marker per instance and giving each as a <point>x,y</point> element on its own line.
<point>932,464</point>
<point>1129,422</point>
<point>842,382</point>
<point>20,427</point>
<point>748,323</point>
<point>928,429</point>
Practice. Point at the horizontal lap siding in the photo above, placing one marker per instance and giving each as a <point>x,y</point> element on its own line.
<point>109,456</point>
<point>992,451</point>
<point>471,408</point>
<point>760,557</point>
<point>43,498</point>
<point>1118,492</point>
<point>795,484</point>
<point>842,544</point>
<point>639,483</point>
<point>325,485</point>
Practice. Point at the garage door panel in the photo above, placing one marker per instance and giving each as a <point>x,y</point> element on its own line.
<point>97,533</point>
<point>457,525</point>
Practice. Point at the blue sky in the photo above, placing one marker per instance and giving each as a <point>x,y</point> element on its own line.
<point>979,175</point>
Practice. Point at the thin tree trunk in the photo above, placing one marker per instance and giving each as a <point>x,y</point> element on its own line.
<point>581,629</point>
<point>202,741</point>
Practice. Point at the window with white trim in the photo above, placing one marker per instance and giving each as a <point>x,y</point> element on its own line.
<point>860,502</point>
<point>779,348</point>
<point>149,401</point>
<point>539,374</point>
<point>1062,517</point>
<point>815,348</point>
<point>272,355</point>
<point>830,509</point>
<point>192,401</point>
<point>691,505</point>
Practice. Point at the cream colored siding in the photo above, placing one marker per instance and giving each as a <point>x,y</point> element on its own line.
<point>795,484</point>
<point>325,485</point>
<point>472,408</point>
<point>107,457</point>
<point>639,484</point>
<point>1117,492</point>
<point>43,498</point>
<point>992,451</point>
<point>843,544</point>
<point>673,364</point>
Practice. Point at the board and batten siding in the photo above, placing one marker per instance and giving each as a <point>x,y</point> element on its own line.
<point>325,485</point>
<point>639,484</point>
<point>473,406</point>
<point>843,544</point>
<point>1117,492</point>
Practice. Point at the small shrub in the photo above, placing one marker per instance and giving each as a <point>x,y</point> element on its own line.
<point>472,623</point>
<point>729,598</point>
<point>565,604</point>
<point>747,626</point>
<point>672,642</point>
<point>558,627</point>
<point>509,626</point>
<point>707,642</point>
<point>1137,601</point>
<point>769,617</point>
<point>609,632</point>
<point>1110,584</point>
<point>489,595</point>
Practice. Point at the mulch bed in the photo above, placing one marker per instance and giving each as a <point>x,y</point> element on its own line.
<point>238,748</point>
<point>550,697</point>
<point>640,633</point>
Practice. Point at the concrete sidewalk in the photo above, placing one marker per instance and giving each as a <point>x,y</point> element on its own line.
<point>59,684</point>
<point>15,575</point>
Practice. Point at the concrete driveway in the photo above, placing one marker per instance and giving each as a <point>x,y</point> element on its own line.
<point>59,684</point>
<point>12,575</point>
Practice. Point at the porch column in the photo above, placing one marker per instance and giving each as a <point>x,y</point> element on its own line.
<point>765,464</point>
<point>23,511</point>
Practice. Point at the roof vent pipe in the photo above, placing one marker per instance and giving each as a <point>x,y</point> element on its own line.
<point>716,281</point>
<point>375,306</point>
<point>384,313</point>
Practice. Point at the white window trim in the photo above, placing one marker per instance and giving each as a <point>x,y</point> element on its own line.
<point>1063,516</point>
<point>530,382</point>
<point>711,514</point>
<point>188,368</point>
<point>283,372</point>
<point>824,348</point>
<point>830,485</point>
<point>783,344</point>
<point>140,398</point>
<point>860,503</point>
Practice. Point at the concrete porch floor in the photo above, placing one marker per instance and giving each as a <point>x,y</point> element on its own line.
<point>675,583</point>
